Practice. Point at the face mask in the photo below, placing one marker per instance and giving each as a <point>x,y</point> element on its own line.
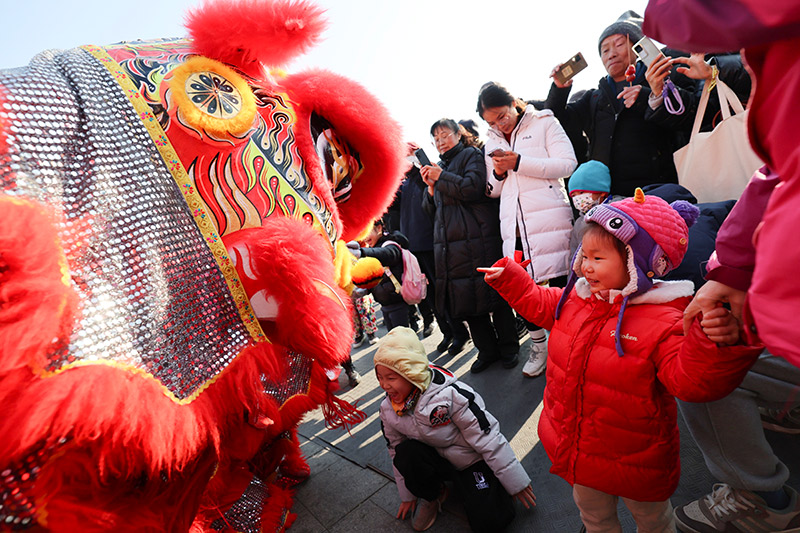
<point>584,201</point>
<point>413,160</point>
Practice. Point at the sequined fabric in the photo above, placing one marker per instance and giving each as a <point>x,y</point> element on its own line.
<point>244,516</point>
<point>153,298</point>
<point>17,508</point>
<point>300,376</point>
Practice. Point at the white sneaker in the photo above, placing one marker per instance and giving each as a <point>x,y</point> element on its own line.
<point>537,360</point>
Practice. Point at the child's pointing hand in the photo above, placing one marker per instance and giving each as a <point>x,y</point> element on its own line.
<point>491,273</point>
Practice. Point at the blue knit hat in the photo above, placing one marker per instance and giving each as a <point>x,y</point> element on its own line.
<point>592,176</point>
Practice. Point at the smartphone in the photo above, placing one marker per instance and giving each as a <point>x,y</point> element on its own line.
<point>496,152</point>
<point>646,50</point>
<point>569,68</point>
<point>422,157</point>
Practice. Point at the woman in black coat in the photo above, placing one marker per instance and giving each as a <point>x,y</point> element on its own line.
<point>466,235</point>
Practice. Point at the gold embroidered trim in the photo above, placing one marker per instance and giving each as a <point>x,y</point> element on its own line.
<point>193,200</point>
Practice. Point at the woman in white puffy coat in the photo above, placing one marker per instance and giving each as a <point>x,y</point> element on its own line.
<point>528,155</point>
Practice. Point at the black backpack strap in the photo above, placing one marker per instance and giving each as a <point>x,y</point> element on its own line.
<point>483,422</point>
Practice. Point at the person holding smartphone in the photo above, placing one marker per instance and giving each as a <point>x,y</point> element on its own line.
<point>466,231</point>
<point>528,155</point>
<point>628,127</point>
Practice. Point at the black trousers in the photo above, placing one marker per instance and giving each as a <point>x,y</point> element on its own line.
<point>395,315</point>
<point>495,335</point>
<point>449,327</point>
<point>489,507</point>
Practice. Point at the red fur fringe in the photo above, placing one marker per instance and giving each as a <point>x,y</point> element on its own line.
<point>37,306</point>
<point>286,256</point>
<point>252,33</point>
<point>363,122</point>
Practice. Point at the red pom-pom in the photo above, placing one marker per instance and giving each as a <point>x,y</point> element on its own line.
<point>252,33</point>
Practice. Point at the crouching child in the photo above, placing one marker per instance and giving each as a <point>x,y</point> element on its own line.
<point>438,429</point>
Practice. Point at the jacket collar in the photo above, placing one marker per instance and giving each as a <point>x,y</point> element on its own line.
<point>452,152</point>
<point>528,114</point>
<point>661,292</point>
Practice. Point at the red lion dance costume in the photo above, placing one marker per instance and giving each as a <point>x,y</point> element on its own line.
<point>173,217</point>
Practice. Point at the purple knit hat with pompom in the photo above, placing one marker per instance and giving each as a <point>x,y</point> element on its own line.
<point>656,235</point>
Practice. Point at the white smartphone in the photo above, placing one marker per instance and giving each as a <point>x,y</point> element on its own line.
<point>646,50</point>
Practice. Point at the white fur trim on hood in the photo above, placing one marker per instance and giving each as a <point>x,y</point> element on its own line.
<point>661,291</point>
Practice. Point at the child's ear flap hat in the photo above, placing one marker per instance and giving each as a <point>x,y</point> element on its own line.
<point>656,235</point>
<point>400,350</point>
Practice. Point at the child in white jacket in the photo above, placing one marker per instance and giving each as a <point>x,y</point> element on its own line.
<point>437,429</point>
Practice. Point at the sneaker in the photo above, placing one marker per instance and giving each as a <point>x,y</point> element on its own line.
<point>427,330</point>
<point>353,377</point>
<point>781,420</point>
<point>371,338</point>
<point>444,345</point>
<point>425,513</point>
<point>732,510</point>
<point>358,341</point>
<point>537,360</point>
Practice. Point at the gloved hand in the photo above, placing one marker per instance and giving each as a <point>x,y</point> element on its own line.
<point>354,248</point>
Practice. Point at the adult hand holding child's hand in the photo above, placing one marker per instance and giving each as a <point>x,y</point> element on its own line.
<point>720,326</point>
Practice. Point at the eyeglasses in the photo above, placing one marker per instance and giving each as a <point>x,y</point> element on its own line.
<point>441,138</point>
<point>502,119</point>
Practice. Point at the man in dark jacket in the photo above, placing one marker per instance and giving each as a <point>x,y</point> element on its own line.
<point>628,126</point>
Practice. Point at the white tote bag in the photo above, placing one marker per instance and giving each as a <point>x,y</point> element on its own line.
<point>716,165</point>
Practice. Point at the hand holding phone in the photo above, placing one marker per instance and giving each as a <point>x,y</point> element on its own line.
<point>497,152</point>
<point>646,50</point>
<point>569,68</point>
<point>422,157</point>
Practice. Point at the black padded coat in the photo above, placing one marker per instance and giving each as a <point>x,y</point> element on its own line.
<point>466,234</point>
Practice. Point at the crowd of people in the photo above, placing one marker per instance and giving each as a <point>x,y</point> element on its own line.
<point>515,236</point>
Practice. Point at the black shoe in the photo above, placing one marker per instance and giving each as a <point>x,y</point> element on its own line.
<point>442,346</point>
<point>480,365</point>
<point>427,330</point>
<point>457,346</point>
<point>414,324</point>
<point>510,362</point>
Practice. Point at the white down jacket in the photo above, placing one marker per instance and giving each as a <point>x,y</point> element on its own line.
<point>533,201</point>
<point>461,430</point>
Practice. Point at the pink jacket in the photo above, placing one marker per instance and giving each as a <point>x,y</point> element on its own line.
<point>769,31</point>
<point>610,422</point>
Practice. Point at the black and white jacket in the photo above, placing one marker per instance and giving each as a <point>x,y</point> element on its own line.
<point>452,418</point>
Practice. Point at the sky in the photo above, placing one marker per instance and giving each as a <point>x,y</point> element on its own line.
<point>424,59</point>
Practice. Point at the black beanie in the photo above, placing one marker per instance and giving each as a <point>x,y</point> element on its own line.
<point>629,23</point>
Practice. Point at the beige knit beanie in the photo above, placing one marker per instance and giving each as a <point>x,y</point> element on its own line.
<point>400,350</point>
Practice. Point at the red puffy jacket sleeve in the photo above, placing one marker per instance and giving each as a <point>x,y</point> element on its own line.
<point>535,303</point>
<point>695,369</point>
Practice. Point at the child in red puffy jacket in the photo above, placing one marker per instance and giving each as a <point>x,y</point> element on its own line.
<point>618,357</point>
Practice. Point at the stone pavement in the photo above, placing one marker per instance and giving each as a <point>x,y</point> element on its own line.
<point>351,488</point>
